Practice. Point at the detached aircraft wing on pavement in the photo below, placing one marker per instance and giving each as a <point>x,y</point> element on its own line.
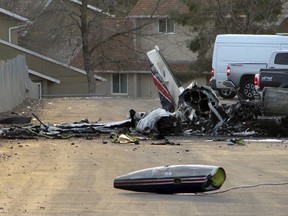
<point>173,179</point>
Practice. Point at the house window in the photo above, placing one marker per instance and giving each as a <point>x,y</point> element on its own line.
<point>119,83</point>
<point>166,26</point>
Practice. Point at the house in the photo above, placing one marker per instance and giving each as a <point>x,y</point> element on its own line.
<point>53,77</point>
<point>125,64</point>
<point>160,29</point>
<point>120,62</point>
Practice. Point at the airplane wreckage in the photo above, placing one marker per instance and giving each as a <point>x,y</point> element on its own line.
<point>195,110</point>
<point>173,179</point>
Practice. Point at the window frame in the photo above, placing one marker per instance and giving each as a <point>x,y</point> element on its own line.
<point>119,84</point>
<point>167,20</point>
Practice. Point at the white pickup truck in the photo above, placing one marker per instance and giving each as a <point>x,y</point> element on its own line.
<point>240,76</point>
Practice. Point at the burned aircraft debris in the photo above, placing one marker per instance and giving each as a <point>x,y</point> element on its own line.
<point>199,113</point>
<point>158,121</point>
<point>200,108</point>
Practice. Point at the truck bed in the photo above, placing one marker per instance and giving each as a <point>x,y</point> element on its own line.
<point>272,77</point>
<point>238,70</point>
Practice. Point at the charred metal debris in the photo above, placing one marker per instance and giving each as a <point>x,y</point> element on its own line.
<point>199,112</point>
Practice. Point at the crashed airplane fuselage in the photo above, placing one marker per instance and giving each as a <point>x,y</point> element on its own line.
<point>191,104</point>
<point>198,110</point>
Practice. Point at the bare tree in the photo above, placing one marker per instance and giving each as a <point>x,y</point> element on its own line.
<point>84,26</point>
<point>89,48</point>
<point>212,17</point>
<point>95,52</point>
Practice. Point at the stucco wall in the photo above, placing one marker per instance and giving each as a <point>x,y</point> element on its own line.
<point>15,85</point>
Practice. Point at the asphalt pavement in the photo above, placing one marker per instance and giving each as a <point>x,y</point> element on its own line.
<point>75,176</point>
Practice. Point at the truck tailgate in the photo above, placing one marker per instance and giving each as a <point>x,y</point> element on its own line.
<point>273,78</point>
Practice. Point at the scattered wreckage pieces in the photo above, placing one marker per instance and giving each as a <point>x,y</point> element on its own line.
<point>125,139</point>
<point>247,119</point>
<point>62,131</point>
<point>235,142</point>
<point>158,121</point>
<point>242,116</point>
<point>173,179</point>
<point>201,113</point>
<point>275,126</point>
<point>165,141</point>
<point>16,132</point>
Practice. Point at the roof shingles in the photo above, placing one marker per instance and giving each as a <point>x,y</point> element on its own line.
<point>157,8</point>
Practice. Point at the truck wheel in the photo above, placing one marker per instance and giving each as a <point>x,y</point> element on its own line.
<point>248,90</point>
<point>227,93</point>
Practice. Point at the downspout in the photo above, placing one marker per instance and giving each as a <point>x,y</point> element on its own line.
<point>13,28</point>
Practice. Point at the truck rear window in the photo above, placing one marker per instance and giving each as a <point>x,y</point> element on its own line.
<point>281,58</point>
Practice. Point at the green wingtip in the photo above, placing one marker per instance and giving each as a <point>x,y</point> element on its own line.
<point>218,178</point>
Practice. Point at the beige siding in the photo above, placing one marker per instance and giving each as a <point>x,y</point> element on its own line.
<point>71,82</point>
<point>172,45</point>
<point>139,85</point>
<point>104,88</point>
<point>5,24</point>
<point>145,87</point>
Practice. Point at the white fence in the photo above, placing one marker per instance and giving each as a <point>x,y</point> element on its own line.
<point>15,84</point>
